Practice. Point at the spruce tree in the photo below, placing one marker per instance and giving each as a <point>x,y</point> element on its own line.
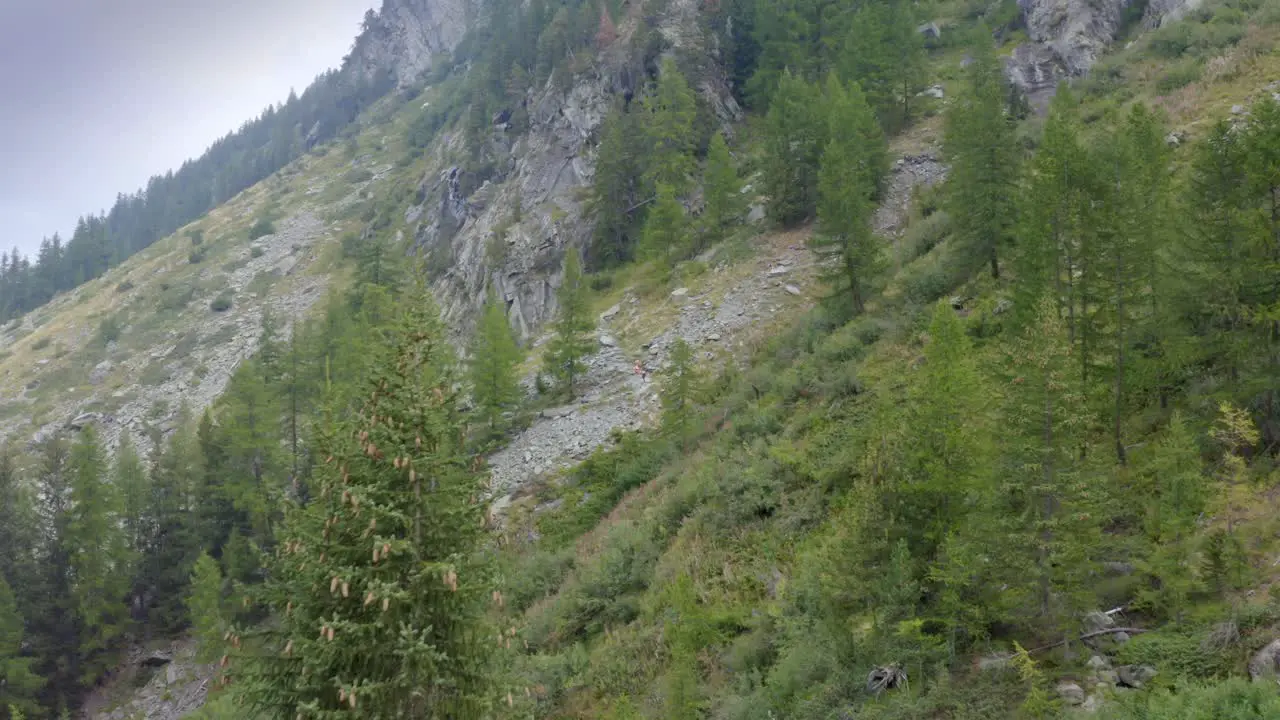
<point>1178,494</point>
<point>379,585</point>
<point>173,546</point>
<point>570,344</point>
<point>722,192</point>
<point>852,166</point>
<point>885,55</point>
<point>664,238</point>
<point>492,365</point>
<point>980,143</point>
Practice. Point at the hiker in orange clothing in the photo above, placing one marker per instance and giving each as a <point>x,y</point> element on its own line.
<point>642,372</point>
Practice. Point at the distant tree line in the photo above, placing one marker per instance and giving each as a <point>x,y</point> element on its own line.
<point>236,162</point>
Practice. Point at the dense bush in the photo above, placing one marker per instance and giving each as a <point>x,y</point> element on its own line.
<point>261,228</point>
<point>222,303</point>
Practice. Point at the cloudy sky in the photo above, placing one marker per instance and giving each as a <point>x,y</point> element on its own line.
<point>96,96</point>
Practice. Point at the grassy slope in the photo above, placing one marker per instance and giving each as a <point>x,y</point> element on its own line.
<point>721,540</point>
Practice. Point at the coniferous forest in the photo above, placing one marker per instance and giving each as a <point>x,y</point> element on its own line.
<point>1023,453</point>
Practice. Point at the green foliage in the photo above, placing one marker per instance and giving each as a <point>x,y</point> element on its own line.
<point>261,228</point>
<point>852,166</point>
<point>386,566</point>
<point>680,394</point>
<point>795,133</point>
<point>204,605</point>
<point>984,160</point>
<point>222,303</point>
<point>492,366</point>
<point>18,684</point>
<point>571,343</point>
<point>721,191</point>
<point>1234,699</point>
<point>885,55</point>
<point>109,330</point>
<point>665,238</point>
<point>197,256</point>
<point>667,115</point>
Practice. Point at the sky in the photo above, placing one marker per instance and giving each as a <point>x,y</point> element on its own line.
<point>96,96</point>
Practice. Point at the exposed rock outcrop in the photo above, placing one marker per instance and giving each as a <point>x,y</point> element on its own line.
<point>1075,31</point>
<point>407,36</point>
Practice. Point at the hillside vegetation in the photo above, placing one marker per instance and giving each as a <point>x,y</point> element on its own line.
<point>1016,459</point>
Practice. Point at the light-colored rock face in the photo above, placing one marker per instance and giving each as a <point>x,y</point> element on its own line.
<point>1163,12</point>
<point>544,171</point>
<point>407,35</point>
<point>1076,31</point>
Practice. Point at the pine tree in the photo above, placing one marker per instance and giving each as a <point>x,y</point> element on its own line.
<point>795,133</point>
<point>722,192</point>
<point>379,584</point>
<point>18,684</point>
<point>852,166</point>
<point>99,557</point>
<point>664,236</point>
<point>570,344</point>
<point>984,159</point>
<point>17,531</point>
<point>494,356</point>
<point>669,112</point>
<point>204,606</point>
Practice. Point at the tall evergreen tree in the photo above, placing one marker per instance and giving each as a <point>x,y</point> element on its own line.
<point>665,239</point>
<point>679,393</point>
<point>570,344</point>
<point>722,192</point>
<point>669,112</point>
<point>379,584</point>
<point>19,685</point>
<point>885,55</point>
<point>852,166</point>
<point>492,365</point>
<point>795,133</point>
<point>984,159</point>
<point>615,189</point>
<point>204,606</point>
<point>98,552</point>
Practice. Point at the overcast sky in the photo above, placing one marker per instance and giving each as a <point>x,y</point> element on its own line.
<point>96,96</point>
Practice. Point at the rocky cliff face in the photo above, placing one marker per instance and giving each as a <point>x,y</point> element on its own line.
<point>472,230</point>
<point>406,36</point>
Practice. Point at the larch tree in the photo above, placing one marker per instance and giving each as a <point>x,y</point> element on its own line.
<point>19,685</point>
<point>571,344</point>
<point>204,606</point>
<point>852,165</point>
<point>722,192</point>
<point>665,237</point>
<point>795,133</point>
<point>379,584</point>
<point>492,365</point>
<point>669,111</point>
<point>98,557</point>
<point>980,144</point>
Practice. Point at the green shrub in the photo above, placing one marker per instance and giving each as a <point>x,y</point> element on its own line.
<point>195,257</point>
<point>222,303</point>
<point>357,176</point>
<point>1234,699</point>
<point>1182,655</point>
<point>261,228</point>
<point>256,252</point>
<point>175,297</point>
<point>109,330</point>
<point>1179,75</point>
<point>124,287</point>
<point>42,343</point>
<point>196,237</point>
